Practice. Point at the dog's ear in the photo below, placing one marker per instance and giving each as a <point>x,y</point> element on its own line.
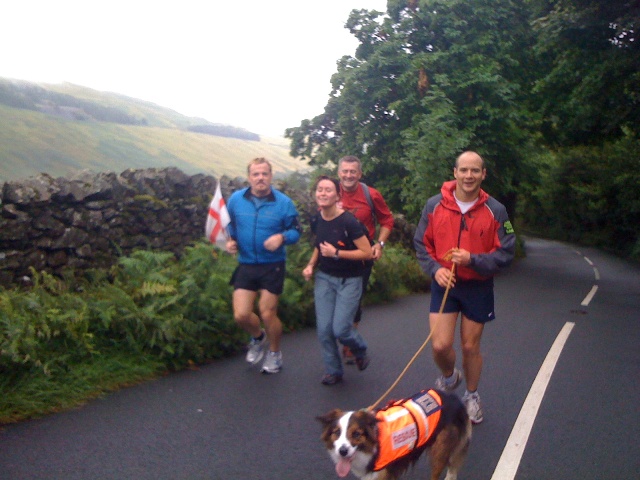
<point>329,418</point>
<point>370,418</point>
<point>366,417</point>
<point>368,423</point>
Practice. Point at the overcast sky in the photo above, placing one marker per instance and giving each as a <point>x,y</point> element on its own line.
<point>257,64</point>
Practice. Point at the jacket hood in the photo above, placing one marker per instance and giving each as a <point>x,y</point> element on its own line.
<point>449,199</point>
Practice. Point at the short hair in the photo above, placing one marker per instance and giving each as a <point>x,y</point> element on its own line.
<point>350,159</point>
<point>469,152</point>
<point>259,161</point>
<point>335,181</point>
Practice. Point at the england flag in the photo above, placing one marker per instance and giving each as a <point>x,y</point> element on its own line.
<point>217,220</point>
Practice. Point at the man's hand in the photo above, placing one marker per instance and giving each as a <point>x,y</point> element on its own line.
<point>458,256</point>
<point>442,277</point>
<point>274,242</point>
<point>231,246</point>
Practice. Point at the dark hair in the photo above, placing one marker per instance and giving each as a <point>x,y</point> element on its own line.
<point>335,181</point>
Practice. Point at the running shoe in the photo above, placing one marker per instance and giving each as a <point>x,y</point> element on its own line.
<point>256,349</point>
<point>449,385</point>
<point>330,379</point>
<point>474,407</point>
<point>273,363</point>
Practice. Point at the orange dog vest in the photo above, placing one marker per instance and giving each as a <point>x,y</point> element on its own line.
<point>405,425</point>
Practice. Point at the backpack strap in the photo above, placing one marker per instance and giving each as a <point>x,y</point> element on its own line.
<point>367,194</point>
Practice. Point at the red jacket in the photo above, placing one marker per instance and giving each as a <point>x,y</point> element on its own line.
<point>356,203</point>
<point>485,231</point>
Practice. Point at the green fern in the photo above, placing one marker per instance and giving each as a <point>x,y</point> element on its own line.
<point>155,307</point>
<point>151,289</point>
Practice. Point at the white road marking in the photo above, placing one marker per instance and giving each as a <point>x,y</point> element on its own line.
<point>512,453</point>
<point>589,296</point>
<point>594,289</point>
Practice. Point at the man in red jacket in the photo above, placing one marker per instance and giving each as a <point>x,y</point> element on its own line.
<point>370,209</point>
<point>464,227</point>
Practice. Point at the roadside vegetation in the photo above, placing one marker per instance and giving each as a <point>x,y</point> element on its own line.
<point>67,340</point>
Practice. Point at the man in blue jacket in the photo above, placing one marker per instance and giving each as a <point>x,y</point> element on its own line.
<point>263,221</point>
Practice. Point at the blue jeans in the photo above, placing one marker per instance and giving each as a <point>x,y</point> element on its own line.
<point>337,300</point>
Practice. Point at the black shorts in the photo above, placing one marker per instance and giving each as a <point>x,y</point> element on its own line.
<point>261,276</point>
<point>474,298</point>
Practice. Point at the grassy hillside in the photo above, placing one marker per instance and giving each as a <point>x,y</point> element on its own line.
<point>53,129</point>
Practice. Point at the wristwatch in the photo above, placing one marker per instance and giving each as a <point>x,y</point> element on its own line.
<point>336,256</point>
<point>381,244</point>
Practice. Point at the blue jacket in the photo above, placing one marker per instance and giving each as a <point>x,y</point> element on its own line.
<point>254,220</point>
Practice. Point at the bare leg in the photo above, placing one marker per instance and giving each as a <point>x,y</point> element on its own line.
<point>268,306</point>
<point>470,336</point>
<point>243,313</point>
<point>443,328</point>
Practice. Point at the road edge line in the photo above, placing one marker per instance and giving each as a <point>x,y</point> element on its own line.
<point>513,450</point>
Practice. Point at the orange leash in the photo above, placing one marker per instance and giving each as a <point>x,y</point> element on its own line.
<point>422,347</point>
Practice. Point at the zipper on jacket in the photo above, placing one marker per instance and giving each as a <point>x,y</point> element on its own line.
<point>255,231</point>
<point>463,226</point>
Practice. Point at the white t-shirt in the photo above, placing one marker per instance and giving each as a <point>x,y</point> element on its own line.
<point>465,206</point>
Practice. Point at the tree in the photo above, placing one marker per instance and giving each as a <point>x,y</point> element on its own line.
<point>427,62</point>
<point>589,90</point>
<point>587,98</point>
<point>358,119</point>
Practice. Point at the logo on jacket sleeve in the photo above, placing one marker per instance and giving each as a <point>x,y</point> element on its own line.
<point>508,228</point>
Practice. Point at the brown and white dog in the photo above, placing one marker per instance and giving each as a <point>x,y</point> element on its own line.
<point>382,445</point>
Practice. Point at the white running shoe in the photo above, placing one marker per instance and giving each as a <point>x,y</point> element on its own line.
<point>273,363</point>
<point>256,349</point>
<point>474,408</point>
<point>449,386</point>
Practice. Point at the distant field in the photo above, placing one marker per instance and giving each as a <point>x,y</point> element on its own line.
<point>32,142</point>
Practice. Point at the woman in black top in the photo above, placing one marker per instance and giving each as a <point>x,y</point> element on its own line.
<point>341,247</point>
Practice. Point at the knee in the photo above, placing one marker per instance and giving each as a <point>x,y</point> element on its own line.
<point>241,317</point>
<point>342,332</point>
<point>470,349</point>
<point>269,315</point>
<point>441,348</point>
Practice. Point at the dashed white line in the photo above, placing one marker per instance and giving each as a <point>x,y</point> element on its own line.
<point>589,296</point>
<point>512,453</point>
<point>594,289</point>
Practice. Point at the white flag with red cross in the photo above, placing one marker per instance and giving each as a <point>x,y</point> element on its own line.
<point>217,220</point>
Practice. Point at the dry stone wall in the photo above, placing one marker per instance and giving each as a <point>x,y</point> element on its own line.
<point>87,221</point>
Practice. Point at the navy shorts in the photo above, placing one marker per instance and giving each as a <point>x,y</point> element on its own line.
<point>261,276</point>
<point>474,298</point>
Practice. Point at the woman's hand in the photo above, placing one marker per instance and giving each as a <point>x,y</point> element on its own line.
<point>328,250</point>
<point>307,273</point>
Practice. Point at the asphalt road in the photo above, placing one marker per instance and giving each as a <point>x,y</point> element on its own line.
<point>227,421</point>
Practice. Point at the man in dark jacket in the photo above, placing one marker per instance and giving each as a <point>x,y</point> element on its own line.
<point>464,238</point>
<point>263,221</point>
